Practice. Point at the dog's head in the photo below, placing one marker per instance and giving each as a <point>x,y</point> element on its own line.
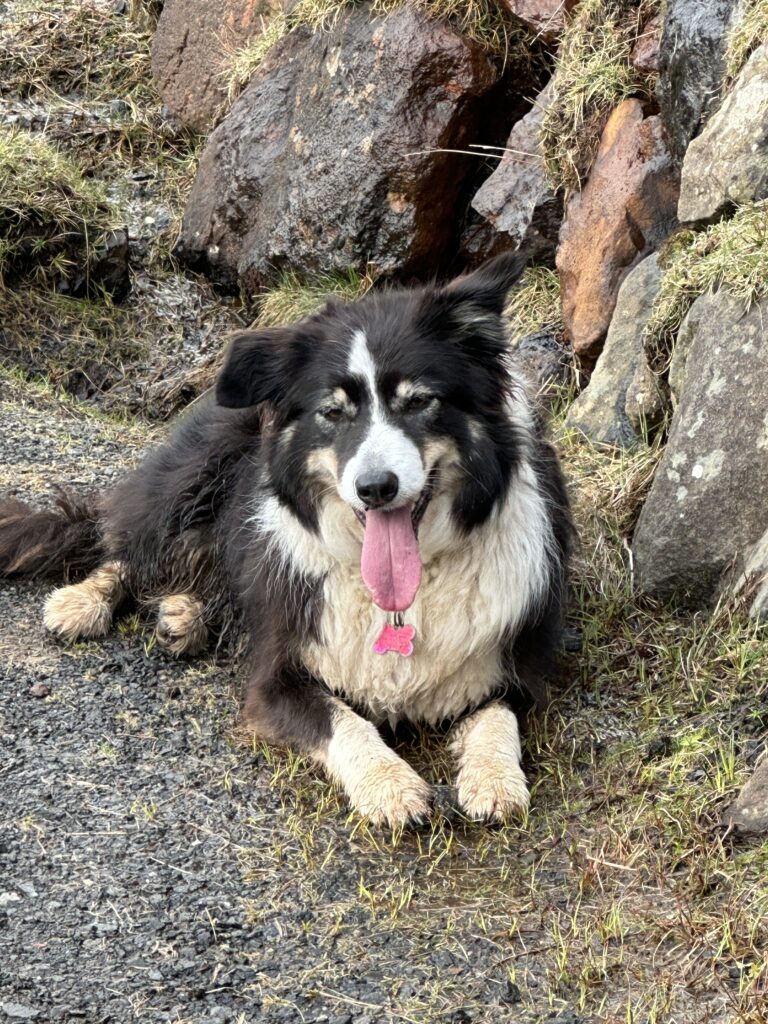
<point>394,410</point>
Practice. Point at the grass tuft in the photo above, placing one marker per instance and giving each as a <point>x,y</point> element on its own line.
<point>534,305</point>
<point>294,298</point>
<point>240,65</point>
<point>593,75</point>
<point>51,217</point>
<point>748,32</point>
<point>732,254</point>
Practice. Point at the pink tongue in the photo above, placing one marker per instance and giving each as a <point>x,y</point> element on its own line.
<point>390,564</point>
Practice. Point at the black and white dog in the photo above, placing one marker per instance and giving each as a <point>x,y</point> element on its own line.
<point>369,498</point>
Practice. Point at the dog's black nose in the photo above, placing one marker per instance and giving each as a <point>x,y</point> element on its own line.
<point>376,489</point>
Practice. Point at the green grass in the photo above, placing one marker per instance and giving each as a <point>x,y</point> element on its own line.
<point>749,32</point>
<point>593,75</point>
<point>535,303</point>
<point>294,297</point>
<point>51,217</point>
<point>732,254</point>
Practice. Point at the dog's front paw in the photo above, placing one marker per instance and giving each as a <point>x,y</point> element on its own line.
<point>77,612</point>
<point>389,792</point>
<point>181,628</point>
<point>492,789</point>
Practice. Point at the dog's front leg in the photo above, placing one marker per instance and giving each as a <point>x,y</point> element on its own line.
<point>490,782</point>
<point>297,712</point>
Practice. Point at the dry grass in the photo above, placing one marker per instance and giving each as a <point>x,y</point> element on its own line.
<point>535,303</point>
<point>593,75</point>
<point>732,254</point>
<point>74,48</point>
<point>294,298</point>
<point>51,218</point>
<point>748,32</point>
<point>91,68</point>
<point>239,65</point>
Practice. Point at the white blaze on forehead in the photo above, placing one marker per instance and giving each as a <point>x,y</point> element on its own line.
<point>361,364</point>
<point>384,448</point>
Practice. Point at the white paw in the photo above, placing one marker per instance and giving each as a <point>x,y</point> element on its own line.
<point>389,792</point>
<point>181,628</point>
<point>492,789</point>
<point>78,611</point>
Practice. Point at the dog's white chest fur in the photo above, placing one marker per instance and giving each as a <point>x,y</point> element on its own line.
<point>475,591</point>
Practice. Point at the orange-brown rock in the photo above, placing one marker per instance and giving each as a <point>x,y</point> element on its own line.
<point>626,208</point>
<point>645,53</point>
<point>545,17</point>
<point>190,50</point>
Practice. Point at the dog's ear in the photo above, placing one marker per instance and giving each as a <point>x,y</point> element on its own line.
<point>468,311</point>
<point>259,367</point>
<point>485,290</point>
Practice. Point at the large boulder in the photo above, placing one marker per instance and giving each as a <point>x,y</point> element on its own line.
<point>338,153</point>
<point>708,505</point>
<point>622,398</point>
<point>691,66</point>
<point>624,211</point>
<point>190,48</point>
<point>517,199</point>
<point>546,17</point>
<point>728,163</point>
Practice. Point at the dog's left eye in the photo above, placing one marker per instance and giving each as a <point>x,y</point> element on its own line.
<point>418,403</point>
<point>333,415</point>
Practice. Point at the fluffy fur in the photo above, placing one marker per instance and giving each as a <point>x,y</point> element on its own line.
<point>250,521</point>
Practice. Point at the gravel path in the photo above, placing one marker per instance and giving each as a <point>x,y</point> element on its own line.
<point>153,869</point>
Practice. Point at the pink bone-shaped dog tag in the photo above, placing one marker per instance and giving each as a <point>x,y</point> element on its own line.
<point>397,639</point>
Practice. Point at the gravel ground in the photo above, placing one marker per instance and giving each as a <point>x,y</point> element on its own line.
<point>153,869</point>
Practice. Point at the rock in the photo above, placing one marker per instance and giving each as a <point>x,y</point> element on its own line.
<point>622,380</point>
<point>691,66</point>
<point>749,812</point>
<point>546,17</point>
<point>645,53</point>
<point>626,208</point>
<point>644,405</point>
<point>545,362</point>
<point>517,198</point>
<point>708,504</point>
<point>335,154</point>
<point>18,1011</point>
<point>40,690</point>
<point>728,163</point>
<point>753,582</point>
<point>189,50</point>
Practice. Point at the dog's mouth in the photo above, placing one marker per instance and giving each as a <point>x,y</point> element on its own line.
<point>390,562</point>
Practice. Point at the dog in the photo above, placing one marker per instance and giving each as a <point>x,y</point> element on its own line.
<point>370,500</point>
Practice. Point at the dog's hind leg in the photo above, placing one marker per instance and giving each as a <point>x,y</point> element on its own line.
<point>181,627</point>
<point>490,782</point>
<point>86,609</point>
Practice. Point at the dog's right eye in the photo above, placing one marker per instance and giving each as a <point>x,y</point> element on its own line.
<point>333,415</point>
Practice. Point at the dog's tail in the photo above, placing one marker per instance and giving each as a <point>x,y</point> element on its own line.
<point>62,541</point>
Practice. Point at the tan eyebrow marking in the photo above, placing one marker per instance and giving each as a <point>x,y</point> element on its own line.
<point>406,390</point>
